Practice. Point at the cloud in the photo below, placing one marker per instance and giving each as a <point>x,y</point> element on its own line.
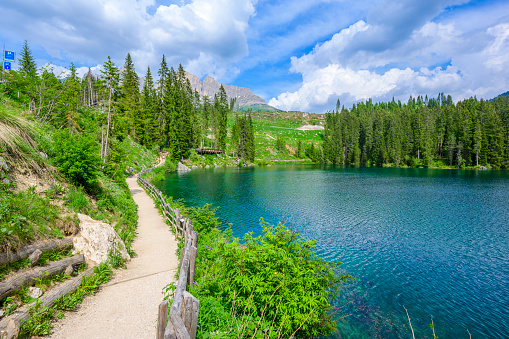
<point>192,33</point>
<point>369,59</point>
<point>323,86</point>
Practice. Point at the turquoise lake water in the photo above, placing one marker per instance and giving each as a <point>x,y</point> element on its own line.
<point>433,241</point>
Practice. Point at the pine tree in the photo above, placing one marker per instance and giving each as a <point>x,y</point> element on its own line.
<point>149,111</point>
<point>162,90</point>
<point>27,65</point>
<point>72,99</point>
<point>221,108</point>
<point>129,101</point>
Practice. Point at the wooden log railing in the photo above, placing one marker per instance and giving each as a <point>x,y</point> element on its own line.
<point>183,312</point>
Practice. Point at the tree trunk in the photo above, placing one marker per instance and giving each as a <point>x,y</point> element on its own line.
<point>46,246</point>
<point>48,300</point>
<point>26,278</point>
<point>107,129</point>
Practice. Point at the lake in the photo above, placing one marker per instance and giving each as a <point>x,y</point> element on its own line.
<point>433,241</point>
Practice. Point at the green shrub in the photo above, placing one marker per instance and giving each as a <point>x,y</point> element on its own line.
<point>203,218</point>
<point>268,287</point>
<point>39,322</point>
<point>77,157</point>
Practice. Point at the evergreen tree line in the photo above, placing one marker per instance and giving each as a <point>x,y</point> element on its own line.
<point>423,132</point>
<point>166,114</point>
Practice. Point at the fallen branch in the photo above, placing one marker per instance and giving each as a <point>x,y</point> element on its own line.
<point>28,277</point>
<point>46,246</point>
<point>48,300</point>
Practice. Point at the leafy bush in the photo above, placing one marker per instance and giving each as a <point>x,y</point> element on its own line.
<point>77,157</point>
<point>269,287</point>
<point>204,219</point>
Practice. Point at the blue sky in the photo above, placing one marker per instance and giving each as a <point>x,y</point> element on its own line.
<point>298,54</point>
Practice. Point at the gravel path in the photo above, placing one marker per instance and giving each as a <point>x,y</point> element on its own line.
<point>127,306</point>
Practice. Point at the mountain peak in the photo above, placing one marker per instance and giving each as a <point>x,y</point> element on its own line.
<point>209,86</point>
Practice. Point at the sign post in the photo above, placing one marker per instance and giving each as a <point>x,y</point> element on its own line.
<point>8,57</point>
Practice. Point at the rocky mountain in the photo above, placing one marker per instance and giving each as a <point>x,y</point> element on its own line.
<point>209,86</point>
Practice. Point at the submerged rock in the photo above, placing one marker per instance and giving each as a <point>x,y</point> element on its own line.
<point>96,239</point>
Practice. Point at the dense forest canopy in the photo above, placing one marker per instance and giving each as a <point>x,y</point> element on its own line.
<point>422,132</point>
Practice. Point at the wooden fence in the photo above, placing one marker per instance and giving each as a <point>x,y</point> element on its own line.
<point>183,312</point>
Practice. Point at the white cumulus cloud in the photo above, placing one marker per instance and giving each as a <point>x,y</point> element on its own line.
<point>207,35</point>
<point>436,56</point>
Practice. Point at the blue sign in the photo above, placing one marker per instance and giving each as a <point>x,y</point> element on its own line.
<point>9,55</point>
<point>7,65</point>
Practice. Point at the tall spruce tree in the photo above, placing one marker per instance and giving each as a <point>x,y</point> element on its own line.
<point>72,99</point>
<point>129,101</point>
<point>221,113</point>
<point>26,60</point>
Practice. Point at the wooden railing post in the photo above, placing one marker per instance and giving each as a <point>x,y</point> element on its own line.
<point>190,310</point>
<point>161,319</point>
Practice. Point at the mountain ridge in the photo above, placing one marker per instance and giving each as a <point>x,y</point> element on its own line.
<point>209,86</point>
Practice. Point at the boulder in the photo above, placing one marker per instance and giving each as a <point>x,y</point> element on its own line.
<point>96,239</point>
<point>182,168</point>
<point>69,270</point>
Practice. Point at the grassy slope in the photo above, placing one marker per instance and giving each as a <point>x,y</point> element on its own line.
<point>269,126</point>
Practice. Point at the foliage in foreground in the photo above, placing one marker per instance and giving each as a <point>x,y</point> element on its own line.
<point>270,286</point>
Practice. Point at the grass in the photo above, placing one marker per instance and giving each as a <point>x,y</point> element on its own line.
<point>17,137</point>
<point>137,156</point>
<point>269,126</point>
<point>25,216</point>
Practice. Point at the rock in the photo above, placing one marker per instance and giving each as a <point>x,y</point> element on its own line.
<point>12,329</point>
<point>209,86</point>
<point>3,164</point>
<point>34,257</point>
<point>43,155</point>
<point>207,167</point>
<point>35,292</point>
<point>2,312</point>
<point>216,165</point>
<point>69,270</point>
<point>194,167</point>
<point>96,239</point>
<point>182,168</point>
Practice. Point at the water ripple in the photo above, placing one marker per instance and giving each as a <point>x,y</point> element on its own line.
<point>432,241</point>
